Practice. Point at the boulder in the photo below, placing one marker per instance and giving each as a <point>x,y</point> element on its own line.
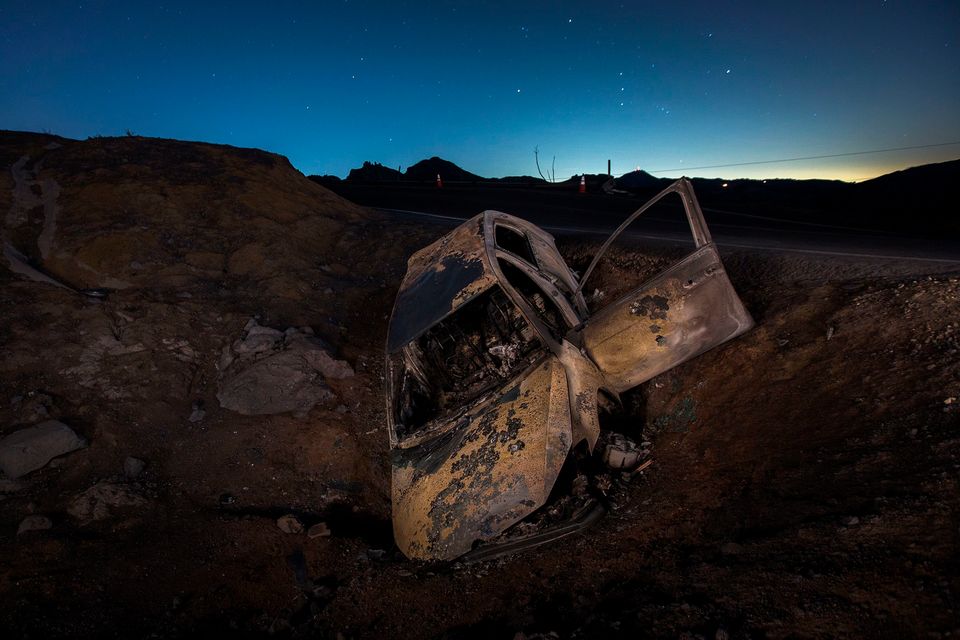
<point>34,523</point>
<point>269,371</point>
<point>290,524</point>
<point>133,467</point>
<point>32,448</point>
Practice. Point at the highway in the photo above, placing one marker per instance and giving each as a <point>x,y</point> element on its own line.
<point>563,213</point>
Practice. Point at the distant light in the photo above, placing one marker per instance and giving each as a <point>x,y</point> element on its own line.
<point>725,185</point>
<point>764,182</point>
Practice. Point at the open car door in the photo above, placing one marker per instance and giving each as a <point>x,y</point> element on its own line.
<point>678,314</point>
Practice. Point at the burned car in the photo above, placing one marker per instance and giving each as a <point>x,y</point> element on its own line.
<point>495,367</point>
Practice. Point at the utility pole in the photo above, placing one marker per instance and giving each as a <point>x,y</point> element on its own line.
<point>608,167</point>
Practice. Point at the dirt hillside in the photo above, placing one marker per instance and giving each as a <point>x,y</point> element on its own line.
<point>805,476</point>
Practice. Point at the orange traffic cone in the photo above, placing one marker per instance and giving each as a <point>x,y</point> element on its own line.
<point>583,184</point>
<point>439,182</point>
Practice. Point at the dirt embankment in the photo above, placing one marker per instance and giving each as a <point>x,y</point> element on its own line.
<point>805,475</point>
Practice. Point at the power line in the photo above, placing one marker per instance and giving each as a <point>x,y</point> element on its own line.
<point>831,155</point>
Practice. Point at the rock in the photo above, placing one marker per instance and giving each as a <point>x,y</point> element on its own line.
<point>226,358</point>
<point>198,413</point>
<point>133,467</point>
<point>270,371</point>
<point>103,500</point>
<point>851,521</point>
<point>731,549</point>
<point>290,524</point>
<point>34,407</point>
<point>34,523</point>
<point>830,332</point>
<point>319,530</point>
<point>12,486</point>
<point>258,340</point>
<point>32,448</point>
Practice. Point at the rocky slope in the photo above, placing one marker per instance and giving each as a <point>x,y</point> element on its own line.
<point>804,479</point>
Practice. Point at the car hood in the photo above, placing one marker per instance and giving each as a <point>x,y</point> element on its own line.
<point>440,278</point>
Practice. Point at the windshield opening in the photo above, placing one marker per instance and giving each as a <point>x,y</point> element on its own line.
<point>484,344</point>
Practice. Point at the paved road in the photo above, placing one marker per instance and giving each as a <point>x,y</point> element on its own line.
<point>563,213</point>
<point>837,241</point>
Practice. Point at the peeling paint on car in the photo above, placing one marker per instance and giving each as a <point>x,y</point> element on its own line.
<point>494,366</point>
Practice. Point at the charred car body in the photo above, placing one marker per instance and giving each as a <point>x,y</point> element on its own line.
<point>495,364</point>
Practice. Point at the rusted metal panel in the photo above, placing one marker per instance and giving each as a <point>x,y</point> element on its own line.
<point>493,469</point>
<point>682,312</point>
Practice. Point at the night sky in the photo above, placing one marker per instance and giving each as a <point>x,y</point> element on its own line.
<point>662,86</point>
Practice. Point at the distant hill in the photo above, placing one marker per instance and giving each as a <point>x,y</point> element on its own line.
<point>423,171</point>
<point>939,176</point>
<point>930,186</point>
<point>914,201</point>
<point>427,170</point>
<point>637,180</point>
<point>519,180</point>
<point>373,172</point>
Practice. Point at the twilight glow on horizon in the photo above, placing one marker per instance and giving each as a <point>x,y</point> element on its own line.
<point>660,86</point>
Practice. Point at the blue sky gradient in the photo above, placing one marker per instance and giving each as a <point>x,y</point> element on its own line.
<point>659,86</point>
